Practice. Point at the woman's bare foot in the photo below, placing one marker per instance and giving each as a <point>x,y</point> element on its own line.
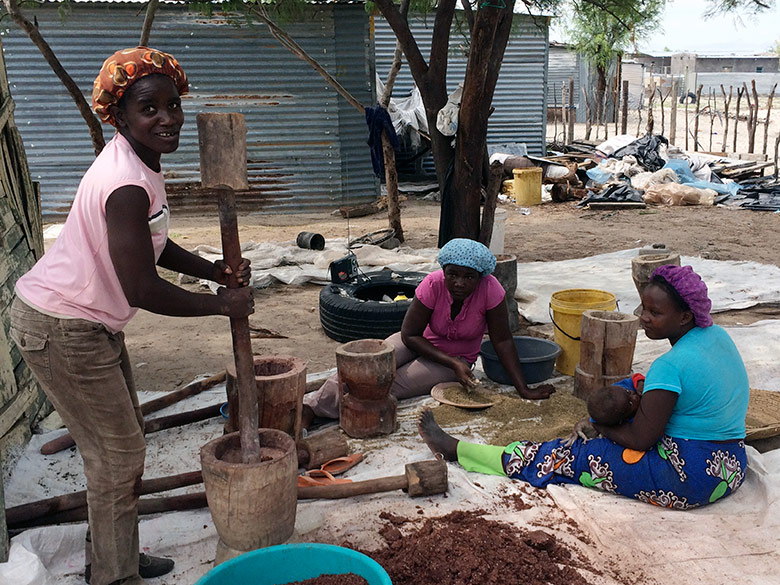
<point>437,440</point>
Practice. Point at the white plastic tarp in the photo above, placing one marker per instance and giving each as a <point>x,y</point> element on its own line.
<point>731,541</point>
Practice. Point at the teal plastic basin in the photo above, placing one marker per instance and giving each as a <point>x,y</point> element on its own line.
<point>288,563</point>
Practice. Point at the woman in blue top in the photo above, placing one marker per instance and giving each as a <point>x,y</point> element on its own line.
<point>685,446</point>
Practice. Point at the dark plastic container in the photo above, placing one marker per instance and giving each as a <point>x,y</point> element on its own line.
<point>537,359</point>
<point>310,241</point>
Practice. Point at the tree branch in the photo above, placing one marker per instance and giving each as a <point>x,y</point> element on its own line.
<point>403,34</point>
<point>290,44</point>
<point>146,30</point>
<point>95,129</point>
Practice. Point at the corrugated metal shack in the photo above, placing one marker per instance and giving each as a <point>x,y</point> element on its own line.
<point>306,145</point>
<point>519,100</point>
<point>565,63</point>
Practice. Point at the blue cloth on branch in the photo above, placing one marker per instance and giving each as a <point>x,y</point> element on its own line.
<point>378,119</point>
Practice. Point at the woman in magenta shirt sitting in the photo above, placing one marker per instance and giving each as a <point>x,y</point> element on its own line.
<point>442,332</point>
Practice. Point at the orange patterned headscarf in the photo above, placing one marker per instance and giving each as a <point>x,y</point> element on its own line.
<point>124,68</point>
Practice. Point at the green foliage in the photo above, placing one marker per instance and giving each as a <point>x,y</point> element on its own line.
<point>744,6</point>
<point>602,30</point>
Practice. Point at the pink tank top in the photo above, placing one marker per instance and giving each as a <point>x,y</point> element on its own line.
<point>75,278</point>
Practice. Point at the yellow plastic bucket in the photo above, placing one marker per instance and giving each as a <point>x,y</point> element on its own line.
<point>566,308</point>
<point>527,187</point>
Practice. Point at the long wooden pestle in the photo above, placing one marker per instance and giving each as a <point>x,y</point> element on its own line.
<point>248,404</point>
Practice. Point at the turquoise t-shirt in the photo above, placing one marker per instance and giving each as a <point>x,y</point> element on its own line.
<point>705,369</point>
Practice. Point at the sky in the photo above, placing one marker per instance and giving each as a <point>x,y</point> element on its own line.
<point>684,28</point>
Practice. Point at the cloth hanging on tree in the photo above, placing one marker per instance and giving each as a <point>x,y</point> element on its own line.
<point>378,119</point>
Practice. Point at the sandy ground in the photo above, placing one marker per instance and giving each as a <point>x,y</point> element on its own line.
<point>167,352</point>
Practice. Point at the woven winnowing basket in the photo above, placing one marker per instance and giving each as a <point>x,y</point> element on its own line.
<point>763,415</point>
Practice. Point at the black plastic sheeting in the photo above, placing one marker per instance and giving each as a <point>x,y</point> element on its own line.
<point>645,149</point>
<point>759,194</point>
<point>616,192</point>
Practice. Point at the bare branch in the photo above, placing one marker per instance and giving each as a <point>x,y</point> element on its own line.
<point>95,129</point>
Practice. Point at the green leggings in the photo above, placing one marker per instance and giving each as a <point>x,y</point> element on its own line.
<point>481,458</point>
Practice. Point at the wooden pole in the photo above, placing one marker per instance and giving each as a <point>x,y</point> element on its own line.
<point>23,513</point>
<point>736,116</point>
<point>768,114</point>
<point>673,117</point>
<point>726,104</point>
<point>564,113</point>
<point>650,115</point>
<point>712,117</point>
<point>696,119</point>
<point>248,403</point>
<point>754,109</point>
<point>571,112</point>
<point>624,106</point>
<point>687,123</point>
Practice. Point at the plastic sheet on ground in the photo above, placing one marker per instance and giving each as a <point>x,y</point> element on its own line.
<point>731,284</point>
<point>732,541</point>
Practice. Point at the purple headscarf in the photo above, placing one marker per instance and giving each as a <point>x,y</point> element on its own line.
<point>691,288</point>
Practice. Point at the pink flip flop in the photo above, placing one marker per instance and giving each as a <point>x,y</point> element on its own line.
<point>315,477</point>
<point>341,464</point>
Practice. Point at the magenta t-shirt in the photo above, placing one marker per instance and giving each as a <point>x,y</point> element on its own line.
<point>463,336</point>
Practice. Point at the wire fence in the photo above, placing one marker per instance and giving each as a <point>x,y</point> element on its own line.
<point>733,120</point>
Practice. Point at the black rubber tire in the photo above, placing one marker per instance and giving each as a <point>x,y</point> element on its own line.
<point>353,310</point>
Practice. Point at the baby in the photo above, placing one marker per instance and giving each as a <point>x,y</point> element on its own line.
<point>616,404</point>
<point>610,406</point>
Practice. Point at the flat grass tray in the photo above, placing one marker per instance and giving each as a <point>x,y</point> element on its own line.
<point>763,415</point>
<point>454,394</point>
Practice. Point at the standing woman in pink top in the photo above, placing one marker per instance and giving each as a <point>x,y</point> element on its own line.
<point>443,329</point>
<point>70,309</point>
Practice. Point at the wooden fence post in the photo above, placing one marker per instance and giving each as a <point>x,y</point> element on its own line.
<point>624,121</point>
<point>572,114</point>
<point>726,104</point>
<point>768,114</point>
<point>696,119</point>
<point>673,117</point>
<point>736,116</point>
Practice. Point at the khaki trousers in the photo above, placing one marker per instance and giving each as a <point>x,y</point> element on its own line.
<point>85,372</point>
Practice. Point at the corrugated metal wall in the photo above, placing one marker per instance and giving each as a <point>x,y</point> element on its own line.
<point>564,64</point>
<point>634,73</point>
<point>306,145</point>
<point>519,98</point>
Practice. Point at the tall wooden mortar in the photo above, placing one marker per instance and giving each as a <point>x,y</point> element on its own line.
<point>366,369</point>
<point>607,343</point>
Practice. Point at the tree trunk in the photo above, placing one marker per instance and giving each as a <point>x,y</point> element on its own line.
<point>488,42</point>
<point>460,189</point>
<point>95,129</point>
<point>601,90</point>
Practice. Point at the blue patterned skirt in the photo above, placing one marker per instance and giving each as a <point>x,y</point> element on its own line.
<point>677,473</point>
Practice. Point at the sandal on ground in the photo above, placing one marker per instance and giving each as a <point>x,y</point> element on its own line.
<point>339,465</point>
<point>316,477</point>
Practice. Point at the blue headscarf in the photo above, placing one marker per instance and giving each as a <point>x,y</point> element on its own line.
<point>468,253</point>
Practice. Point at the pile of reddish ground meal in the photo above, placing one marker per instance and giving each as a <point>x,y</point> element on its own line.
<point>463,548</point>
